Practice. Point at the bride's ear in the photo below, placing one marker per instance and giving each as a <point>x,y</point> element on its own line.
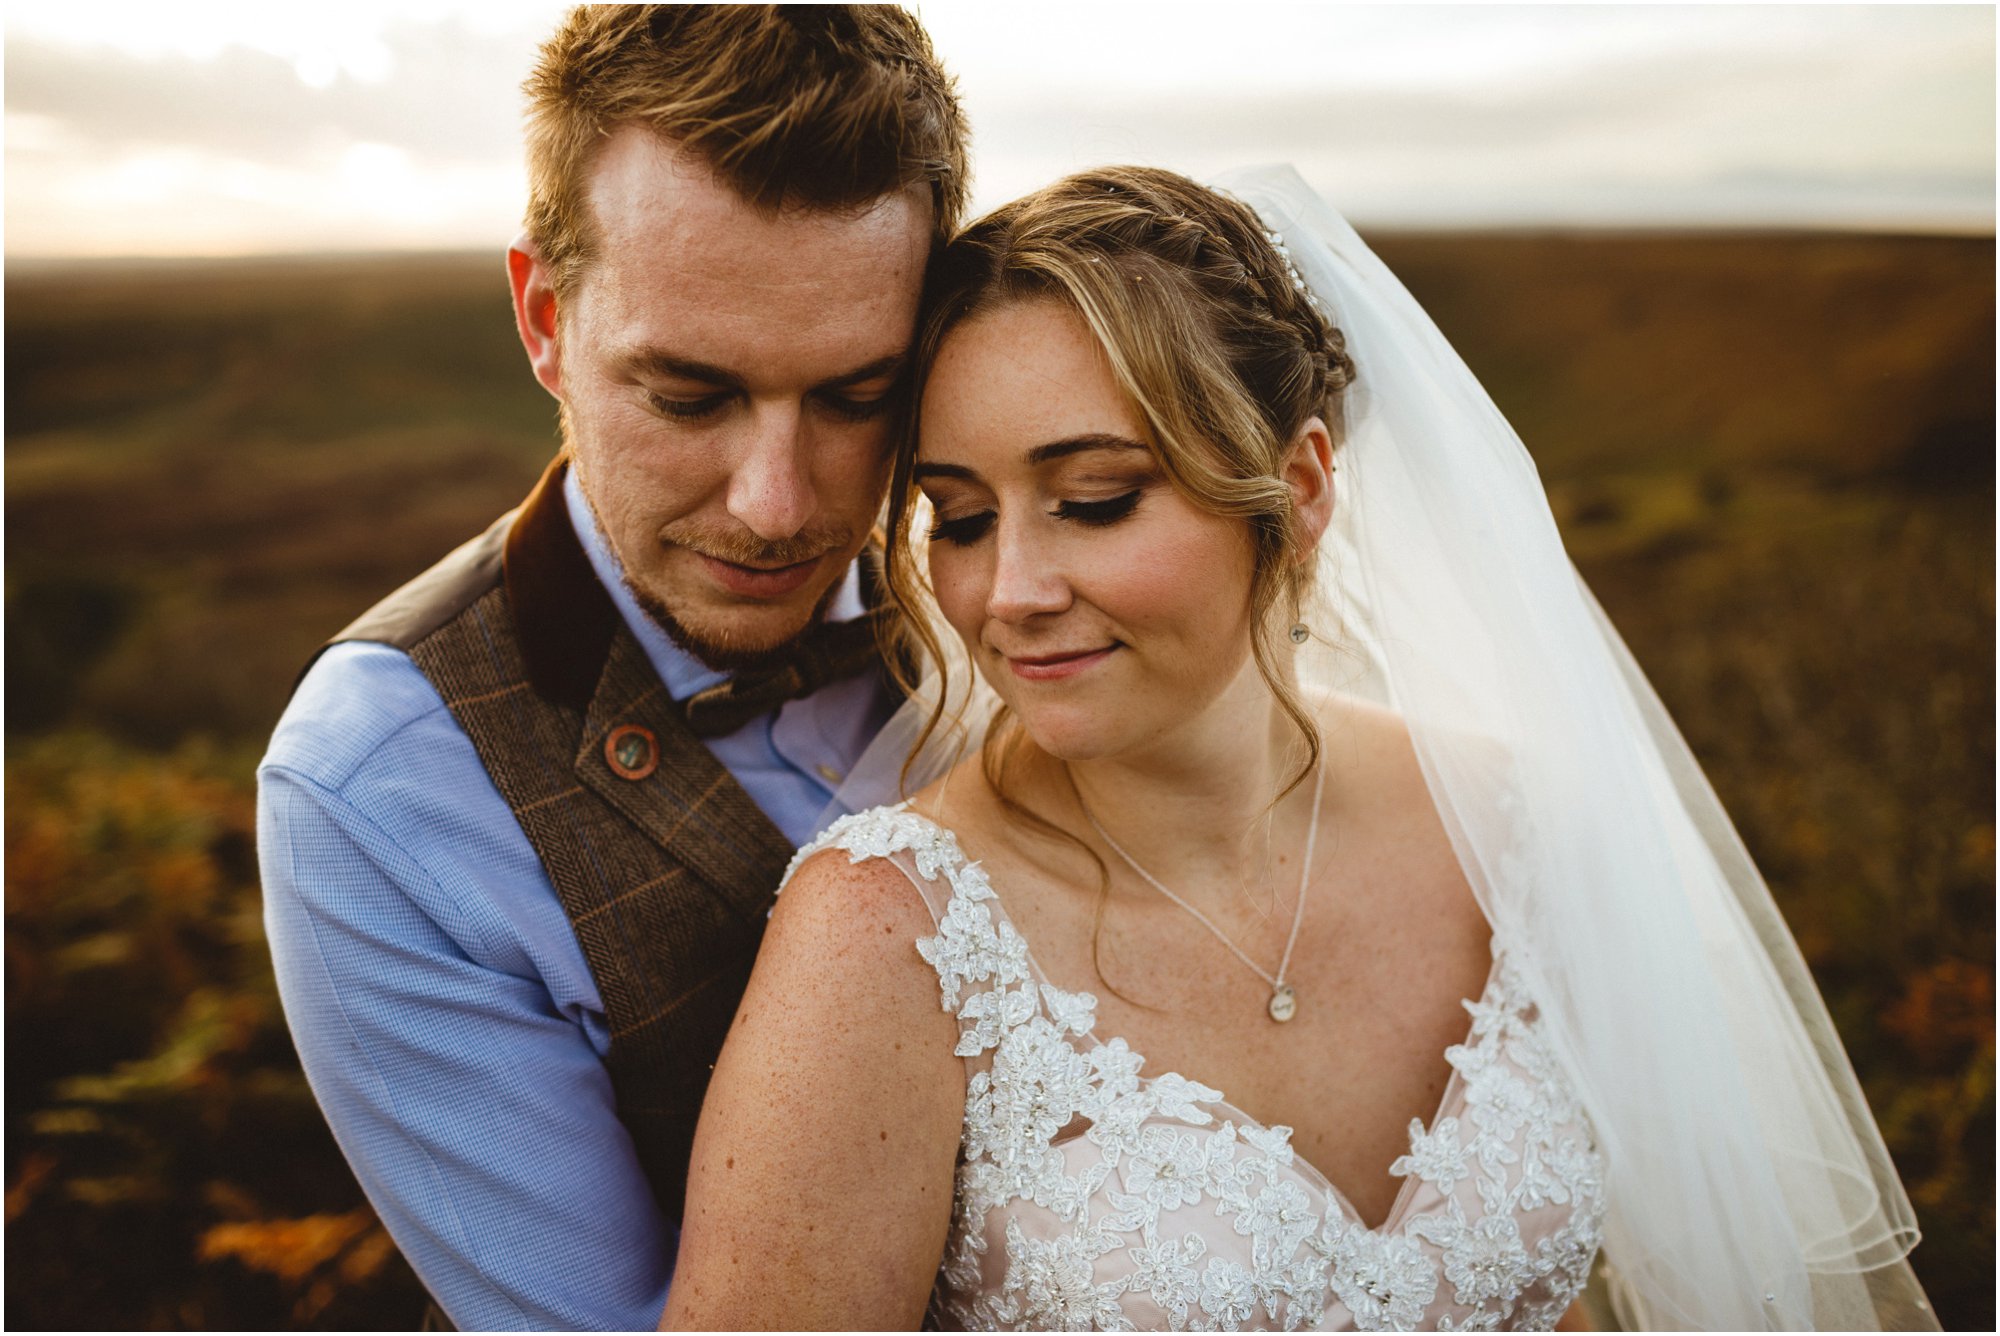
<point>1308,471</point>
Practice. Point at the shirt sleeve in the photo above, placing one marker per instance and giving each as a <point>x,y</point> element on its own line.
<point>471,1103</point>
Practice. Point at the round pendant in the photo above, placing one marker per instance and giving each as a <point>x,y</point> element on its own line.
<point>1284,1003</point>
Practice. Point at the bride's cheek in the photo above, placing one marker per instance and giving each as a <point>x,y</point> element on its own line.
<point>957,598</point>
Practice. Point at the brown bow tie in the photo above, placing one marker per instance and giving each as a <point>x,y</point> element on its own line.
<point>829,652</point>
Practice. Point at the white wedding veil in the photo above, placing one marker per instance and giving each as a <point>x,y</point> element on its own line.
<point>1748,1187</point>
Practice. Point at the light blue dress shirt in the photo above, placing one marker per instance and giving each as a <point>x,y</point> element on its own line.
<point>444,1013</point>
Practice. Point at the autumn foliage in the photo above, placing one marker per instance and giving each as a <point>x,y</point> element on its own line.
<point>1772,457</point>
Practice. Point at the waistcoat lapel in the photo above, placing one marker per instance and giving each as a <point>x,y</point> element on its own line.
<point>664,866</point>
<point>579,652</point>
<point>690,803</point>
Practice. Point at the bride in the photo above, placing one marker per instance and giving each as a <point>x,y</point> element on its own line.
<point>1305,915</point>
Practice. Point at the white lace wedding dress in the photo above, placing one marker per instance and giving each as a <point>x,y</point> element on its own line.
<point>1173,1210</point>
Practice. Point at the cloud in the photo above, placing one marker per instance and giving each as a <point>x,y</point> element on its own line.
<point>1897,128</point>
<point>243,149</point>
<point>374,127</point>
<point>449,94</point>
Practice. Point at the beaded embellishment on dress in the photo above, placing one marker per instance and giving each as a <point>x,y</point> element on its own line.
<point>1173,1210</point>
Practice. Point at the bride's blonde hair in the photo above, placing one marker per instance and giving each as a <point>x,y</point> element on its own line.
<point>1207,328</point>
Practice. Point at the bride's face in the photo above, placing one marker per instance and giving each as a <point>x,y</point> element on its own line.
<point>1104,608</point>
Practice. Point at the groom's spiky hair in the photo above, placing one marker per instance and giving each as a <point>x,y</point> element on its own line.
<point>814,106</point>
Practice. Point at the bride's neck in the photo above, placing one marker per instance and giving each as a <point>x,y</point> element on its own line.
<point>1194,800</point>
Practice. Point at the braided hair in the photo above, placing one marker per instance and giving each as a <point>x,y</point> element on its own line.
<point>1209,330</point>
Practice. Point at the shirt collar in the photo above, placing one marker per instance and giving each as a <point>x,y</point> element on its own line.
<point>681,671</point>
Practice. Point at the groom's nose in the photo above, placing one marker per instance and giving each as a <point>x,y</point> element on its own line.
<point>770,489</point>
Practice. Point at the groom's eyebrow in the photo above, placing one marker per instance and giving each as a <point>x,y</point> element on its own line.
<point>683,368</point>
<point>707,373</point>
<point>879,369</point>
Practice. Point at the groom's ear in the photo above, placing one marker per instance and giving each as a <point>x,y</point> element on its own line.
<point>1308,471</point>
<point>535,312</point>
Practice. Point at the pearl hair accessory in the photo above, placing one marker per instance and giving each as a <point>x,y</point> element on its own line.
<point>1277,241</point>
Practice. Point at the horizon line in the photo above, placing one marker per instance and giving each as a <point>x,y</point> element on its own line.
<point>1719,229</point>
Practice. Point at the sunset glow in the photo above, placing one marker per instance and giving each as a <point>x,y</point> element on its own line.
<point>217,129</point>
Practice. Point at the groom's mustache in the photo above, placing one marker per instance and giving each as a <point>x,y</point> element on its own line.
<point>744,549</point>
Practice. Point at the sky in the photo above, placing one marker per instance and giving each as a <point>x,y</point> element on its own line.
<point>198,129</point>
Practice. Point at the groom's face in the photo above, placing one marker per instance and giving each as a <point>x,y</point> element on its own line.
<point>727,376</point>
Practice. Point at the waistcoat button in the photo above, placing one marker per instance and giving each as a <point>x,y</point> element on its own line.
<point>632,752</point>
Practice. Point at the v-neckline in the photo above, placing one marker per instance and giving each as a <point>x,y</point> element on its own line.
<point>1332,1190</point>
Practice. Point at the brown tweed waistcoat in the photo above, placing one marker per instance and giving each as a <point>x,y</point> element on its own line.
<point>667,876</point>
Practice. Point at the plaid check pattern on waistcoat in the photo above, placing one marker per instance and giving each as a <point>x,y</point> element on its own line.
<point>667,876</point>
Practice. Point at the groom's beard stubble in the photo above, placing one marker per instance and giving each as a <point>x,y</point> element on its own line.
<point>718,649</point>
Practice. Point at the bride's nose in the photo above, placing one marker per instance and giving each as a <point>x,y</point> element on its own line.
<point>1027,579</point>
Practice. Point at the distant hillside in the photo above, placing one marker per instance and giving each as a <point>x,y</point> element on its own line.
<point>1772,457</point>
<point>265,445</point>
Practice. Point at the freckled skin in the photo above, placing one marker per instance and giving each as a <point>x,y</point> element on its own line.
<point>785,303</point>
<point>1391,940</point>
<point>810,1068</point>
<point>1029,373</point>
<point>841,1032</point>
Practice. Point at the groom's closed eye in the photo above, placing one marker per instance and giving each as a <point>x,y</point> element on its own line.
<point>696,408</point>
<point>697,391</point>
<point>856,407</point>
<point>692,409</point>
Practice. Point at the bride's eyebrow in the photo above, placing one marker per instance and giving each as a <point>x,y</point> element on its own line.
<point>1076,445</point>
<point>1040,454</point>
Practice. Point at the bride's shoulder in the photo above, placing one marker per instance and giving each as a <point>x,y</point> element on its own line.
<point>1377,782</point>
<point>1362,735</point>
<point>1375,738</point>
<point>850,911</point>
<point>875,834</point>
<point>873,877</point>
<point>1372,752</point>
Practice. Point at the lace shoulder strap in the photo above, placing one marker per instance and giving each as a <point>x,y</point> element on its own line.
<point>922,850</point>
<point>984,974</point>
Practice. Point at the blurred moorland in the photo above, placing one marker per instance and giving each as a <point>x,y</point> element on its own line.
<point>1773,457</point>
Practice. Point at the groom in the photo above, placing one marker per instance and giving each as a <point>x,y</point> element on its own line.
<point>522,822</point>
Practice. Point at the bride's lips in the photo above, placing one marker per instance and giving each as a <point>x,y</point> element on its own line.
<point>1055,667</point>
<point>764,582</point>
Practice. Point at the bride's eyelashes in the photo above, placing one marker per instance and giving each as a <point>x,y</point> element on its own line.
<point>1109,511</point>
<point>964,530</point>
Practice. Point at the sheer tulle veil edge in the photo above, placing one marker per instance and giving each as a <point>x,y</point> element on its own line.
<point>1749,1187</point>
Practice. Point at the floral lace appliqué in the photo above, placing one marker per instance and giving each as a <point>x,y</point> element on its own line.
<point>1172,1210</point>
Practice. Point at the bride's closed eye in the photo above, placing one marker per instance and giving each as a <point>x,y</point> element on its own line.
<point>1109,511</point>
<point>964,530</point>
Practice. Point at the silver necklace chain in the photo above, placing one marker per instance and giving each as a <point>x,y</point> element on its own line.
<point>1284,998</point>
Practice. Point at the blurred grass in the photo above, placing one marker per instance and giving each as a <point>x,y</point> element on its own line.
<point>1773,458</point>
